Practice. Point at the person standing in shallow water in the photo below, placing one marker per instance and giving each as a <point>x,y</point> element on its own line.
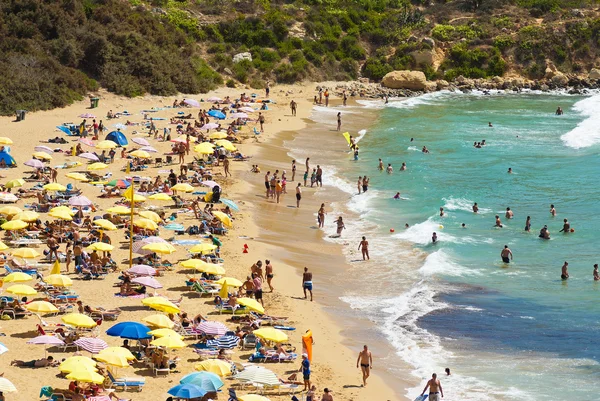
<point>506,254</point>
<point>364,247</point>
<point>564,273</point>
<point>339,121</point>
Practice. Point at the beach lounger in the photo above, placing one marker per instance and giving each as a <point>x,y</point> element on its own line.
<point>126,383</point>
<point>249,341</point>
<point>203,289</point>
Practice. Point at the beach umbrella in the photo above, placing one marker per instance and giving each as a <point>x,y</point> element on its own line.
<point>26,253</point>
<point>159,320</point>
<point>14,225</point>
<point>216,366</point>
<point>246,109</point>
<point>3,350</point>
<point>41,307</point>
<point>145,223</point>
<point>214,99</point>
<point>168,342</point>
<point>194,263</point>
<point>165,249</point>
<point>187,391</point>
<point>54,187</point>
<point>224,342</point>
<point>3,246</point>
<point>118,351</point>
<point>202,248</point>
<point>161,304</point>
<point>7,197</point>
<point>150,215</point>
<point>224,218</point>
<point>63,209</point>
<point>232,205</point>
<point>105,224</point>
<point>140,154</point>
<point>180,139</point>
<point>140,141</point>
<point>100,246</point>
<point>46,340</point>
<point>129,330</point>
<point>77,176</point>
<point>238,115</point>
<point>120,126</point>
<point>147,281</point>
<point>165,332</point>
<point>218,135</point>
<point>97,166</point>
<point>106,145</point>
<point>253,397</point>
<point>91,344</point>
<point>210,126</point>
<point>142,270</point>
<point>150,240</point>
<point>21,289</point>
<point>80,201</point>
<point>17,277</point>
<point>42,155</point>
<point>86,376</point>
<point>77,363</point>
<point>34,163</point>
<point>61,215</point>
<point>119,183</point>
<point>5,141</point>
<point>86,141</point>
<point>6,386</point>
<point>229,281</point>
<point>161,196</point>
<point>182,187</point>
<point>28,216</point>
<point>216,114</point>
<point>10,210</point>
<point>251,304</point>
<point>209,183</point>
<point>192,102</point>
<point>136,197</point>
<point>19,182</point>
<point>119,210</point>
<point>207,380</point>
<point>42,148</point>
<point>211,268</point>
<point>259,375</point>
<point>89,156</point>
<point>113,359</point>
<point>226,144</point>
<point>58,280</point>
<point>78,320</point>
<point>64,129</point>
<point>213,328</point>
<point>149,149</point>
<point>204,148</point>
<point>87,115</point>
<point>271,334</point>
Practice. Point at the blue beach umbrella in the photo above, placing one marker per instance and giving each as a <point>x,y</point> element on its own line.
<point>206,380</point>
<point>187,391</point>
<point>64,129</point>
<point>224,342</point>
<point>117,137</point>
<point>130,330</point>
<point>216,114</point>
<point>232,205</point>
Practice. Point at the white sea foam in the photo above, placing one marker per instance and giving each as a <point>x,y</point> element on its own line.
<point>361,135</point>
<point>587,132</point>
<point>439,262</point>
<point>466,205</point>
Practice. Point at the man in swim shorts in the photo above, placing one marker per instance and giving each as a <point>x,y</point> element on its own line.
<point>307,284</point>
<point>365,358</point>
<point>506,252</point>
<point>36,363</point>
<point>565,271</point>
<point>435,388</point>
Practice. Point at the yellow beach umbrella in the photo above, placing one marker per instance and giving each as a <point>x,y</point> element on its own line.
<point>224,218</point>
<point>271,334</point>
<point>161,304</point>
<point>203,248</point>
<point>211,268</point>
<point>161,197</point>
<point>182,187</point>
<point>21,289</point>
<point>62,209</point>
<point>15,183</point>
<point>54,186</point>
<point>100,246</point>
<point>79,320</point>
<point>165,332</point>
<point>105,224</point>
<point>150,215</point>
<point>41,307</point>
<point>77,176</point>
<point>61,215</point>
<point>28,215</point>
<point>226,144</point>
<point>3,246</point>
<point>230,281</point>
<point>5,141</point>
<point>10,210</point>
<point>218,135</point>
<point>160,247</point>
<point>42,155</point>
<point>159,320</point>
<point>113,360</point>
<point>86,376</point>
<point>252,397</point>
<point>251,304</point>
<point>119,351</point>
<point>58,280</point>
<point>26,253</point>
<point>106,145</point>
<point>119,210</point>
<point>168,342</point>
<point>74,363</point>
<point>136,197</point>
<point>193,263</point>
<point>205,148</point>
<point>97,166</point>
<point>17,277</point>
<point>142,154</point>
<point>14,225</point>
<point>215,366</point>
<point>145,223</point>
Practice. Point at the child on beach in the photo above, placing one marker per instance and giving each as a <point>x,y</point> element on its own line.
<point>305,177</point>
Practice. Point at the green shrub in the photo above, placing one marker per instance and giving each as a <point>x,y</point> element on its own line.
<point>230,83</point>
<point>503,42</point>
<point>376,68</point>
<point>242,70</point>
<point>444,33</point>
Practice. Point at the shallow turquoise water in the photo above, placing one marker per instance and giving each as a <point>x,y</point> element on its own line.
<point>508,332</point>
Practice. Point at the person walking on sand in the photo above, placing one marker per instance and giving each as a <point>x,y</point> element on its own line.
<point>321,215</point>
<point>307,284</point>
<point>268,183</point>
<point>505,254</point>
<point>307,163</point>
<point>435,388</point>
<point>339,121</point>
<point>326,94</point>
<point>278,190</point>
<point>293,170</point>
<point>364,247</point>
<point>293,106</point>
<point>319,180</point>
<point>261,121</point>
<point>298,195</point>
<point>340,226</point>
<point>269,274</point>
<point>226,167</point>
<point>365,359</point>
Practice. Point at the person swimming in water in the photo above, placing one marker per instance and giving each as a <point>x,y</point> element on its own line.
<point>490,124</point>
<point>403,167</point>
<point>442,214</point>
<point>552,210</point>
<point>475,208</point>
<point>397,196</point>
<point>544,233</point>
<point>425,150</point>
<point>506,254</point>
<point>389,168</point>
<point>509,213</point>
<point>498,222</point>
<point>434,238</point>
<point>566,227</point>
<point>596,274</point>
<point>380,165</point>
<point>528,224</point>
<point>559,111</point>
<point>509,170</point>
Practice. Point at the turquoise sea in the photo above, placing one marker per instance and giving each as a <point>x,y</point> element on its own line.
<point>508,332</point>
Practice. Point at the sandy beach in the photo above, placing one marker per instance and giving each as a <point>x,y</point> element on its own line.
<point>279,232</point>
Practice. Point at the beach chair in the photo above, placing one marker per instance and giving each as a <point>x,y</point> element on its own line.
<point>199,288</point>
<point>249,342</point>
<point>159,370</point>
<point>126,383</point>
<point>158,162</point>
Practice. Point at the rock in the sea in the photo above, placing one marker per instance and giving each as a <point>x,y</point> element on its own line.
<point>405,79</point>
<point>442,84</point>
<point>560,79</point>
<point>242,56</point>
<point>594,73</point>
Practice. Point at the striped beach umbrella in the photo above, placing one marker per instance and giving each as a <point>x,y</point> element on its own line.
<point>6,386</point>
<point>258,375</point>
<point>142,270</point>
<point>225,342</point>
<point>90,344</point>
<point>213,328</point>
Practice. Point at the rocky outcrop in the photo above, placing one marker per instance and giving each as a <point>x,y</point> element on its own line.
<point>242,56</point>
<point>560,80</point>
<point>594,74</point>
<point>413,80</point>
<point>431,58</point>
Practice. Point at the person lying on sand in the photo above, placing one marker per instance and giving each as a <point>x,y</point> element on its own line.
<point>39,363</point>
